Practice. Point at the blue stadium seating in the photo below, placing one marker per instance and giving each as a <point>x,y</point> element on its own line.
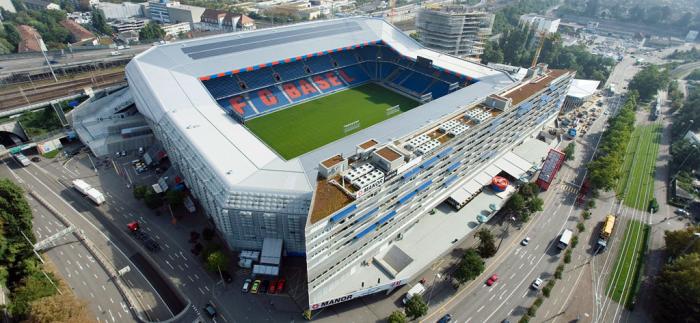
<point>371,68</point>
<point>439,89</point>
<point>387,54</point>
<point>368,53</point>
<point>417,82</point>
<point>385,69</point>
<point>257,79</point>
<point>319,64</point>
<point>300,89</point>
<point>400,77</point>
<point>344,58</point>
<point>242,106</point>
<point>353,75</point>
<point>264,93</point>
<point>290,71</point>
<point>223,87</point>
<point>268,99</point>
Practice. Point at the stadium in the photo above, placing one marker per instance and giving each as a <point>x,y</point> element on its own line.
<point>341,138</point>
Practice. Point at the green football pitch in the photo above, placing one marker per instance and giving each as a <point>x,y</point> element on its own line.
<point>299,129</point>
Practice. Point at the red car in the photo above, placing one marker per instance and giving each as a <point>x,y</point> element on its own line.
<point>273,287</point>
<point>280,285</point>
<point>492,280</point>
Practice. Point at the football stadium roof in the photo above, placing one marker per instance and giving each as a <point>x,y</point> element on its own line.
<point>168,81</point>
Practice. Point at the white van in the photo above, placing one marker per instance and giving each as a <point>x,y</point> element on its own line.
<point>417,289</point>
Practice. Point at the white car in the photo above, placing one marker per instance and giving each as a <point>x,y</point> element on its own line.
<point>525,241</point>
<point>537,283</point>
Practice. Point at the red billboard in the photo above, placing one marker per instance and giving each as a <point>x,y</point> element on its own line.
<point>550,168</point>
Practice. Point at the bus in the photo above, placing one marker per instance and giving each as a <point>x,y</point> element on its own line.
<point>606,231</point>
<point>565,239</point>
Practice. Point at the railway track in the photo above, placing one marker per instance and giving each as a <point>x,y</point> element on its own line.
<point>18,97</point>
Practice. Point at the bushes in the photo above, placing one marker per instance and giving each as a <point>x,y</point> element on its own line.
<point>581,227</point>
<point>586,215</point>
<point>558,273</point>
<point>574,241</point>
<point>567,256</point>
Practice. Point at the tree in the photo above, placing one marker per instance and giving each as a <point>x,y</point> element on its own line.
<point>648,81</point>
<point>207,234</point>
<point>516,203</point>
<point>397,317</point>
<point>416,307</point>
<point>529,190</point>
<point>492,54</point>
<point>152,199</point>
<point>678,290</point>
<point>216,261</point>
<point>470,267</point>
<point>569,151</point>
<point>58,308</point>
<point>99,22</point>
<point>151,31</point>
<point>535,204</point>
<point>174,198</point>
<point>682,240</point>
<point>140,191</point>
<point>487,244</point>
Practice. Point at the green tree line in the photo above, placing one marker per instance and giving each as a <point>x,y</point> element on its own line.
<point>648,81</point>
<point>605,169</point>
<point>677,287</point>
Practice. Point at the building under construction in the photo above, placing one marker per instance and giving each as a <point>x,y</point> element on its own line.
<point>454,29</point>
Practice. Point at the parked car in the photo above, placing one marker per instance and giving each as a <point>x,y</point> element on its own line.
<point>525,241</point>
<point>264,285</point>
<point>537,283</point>
<point>492,280</point>
<point>280,285</point>
<point>246,285</point>
<point>273,287</point>
<point>682,212</point>
<point>256,285</point>
<point>36,159</point>
<point>211,311</point>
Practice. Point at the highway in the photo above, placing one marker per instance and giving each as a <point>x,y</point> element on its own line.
<point>518,266</point>
<point>88,280</point>
<point>174,262</point>
<point>32,177</point>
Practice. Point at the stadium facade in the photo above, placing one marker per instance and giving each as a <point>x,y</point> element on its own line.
<point>345,206</point>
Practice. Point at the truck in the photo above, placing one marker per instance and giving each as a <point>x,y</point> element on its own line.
<point>81,186</point>
<point>565,239</point>
<point>96,196</point>
<point>22,159</point>
<point>135,228</point>
<point>606,232</point>
<point>417,289</point>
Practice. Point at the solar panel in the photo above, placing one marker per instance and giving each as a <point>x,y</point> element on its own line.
<point>254,42</point>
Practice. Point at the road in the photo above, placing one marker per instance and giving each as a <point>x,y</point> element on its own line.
<point>175,261</point>
<point>32,177</point>
<point>88,280</point>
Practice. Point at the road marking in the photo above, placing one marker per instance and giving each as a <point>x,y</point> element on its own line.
<point>84,283</point>
<point>171,257</point>
<point>92,295</point>
<point>511,276</point>
<point>103,287</point>
<point>110,315</point>
<point>524,295</point>
<point>68,262</point>
<point>501,296</point>
<point>120,314</point>
<point>111,300</point>
<point>186,266</point>
<point>200,290</point>
<point>537,247</point>
<point>99,308</point>
<point>95,275</point>
<point>207,288</point>
<point>480,308</point>
<point>167,246</point>
<point>492,297</point>
<point>521,266</point>
<point>178,266</point>
<point>190,277</point>
<point>195,276</point>
<point>171,266</point>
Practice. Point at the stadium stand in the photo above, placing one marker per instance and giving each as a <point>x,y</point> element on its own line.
<point>290,71</point>
<point>417,82</point>
<point>222,87</point>
<point>257,79</point>
<point>268,99</point>
<point>344,58</point>
<point>254,92</point>
<point>319,64</point>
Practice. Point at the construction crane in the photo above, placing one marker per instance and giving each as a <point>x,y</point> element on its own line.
<point>541,34</point>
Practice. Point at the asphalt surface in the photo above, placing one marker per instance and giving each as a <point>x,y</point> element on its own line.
<point>175,263</point>
<point>88,280</point>
<point>77,210</point>
<point>87,57</point>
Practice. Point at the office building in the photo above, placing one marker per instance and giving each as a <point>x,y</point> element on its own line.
<point>454,29</point>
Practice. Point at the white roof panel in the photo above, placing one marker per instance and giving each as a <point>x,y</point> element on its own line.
<point>582,88</point>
